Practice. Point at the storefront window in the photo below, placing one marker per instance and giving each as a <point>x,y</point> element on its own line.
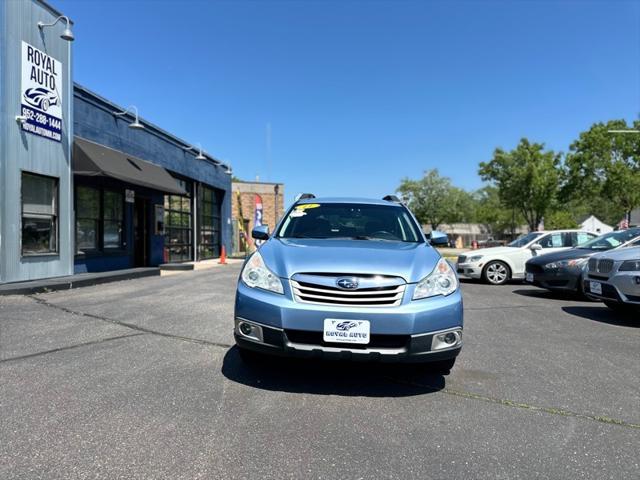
<point>178,227</point>
<point>99,219</point>
<point>113,218</point>
<point>209,246</point>
<point>39,214</point>
<point>87,218</point>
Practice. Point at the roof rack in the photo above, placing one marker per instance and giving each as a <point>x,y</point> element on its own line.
<point>392,198</point>
<point>304,196</point>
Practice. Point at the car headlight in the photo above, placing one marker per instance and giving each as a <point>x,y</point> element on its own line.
<point>630,266</point>
<point>475,259</point>
<point>575,262</point>
<point>442,281</point>
<point>255,274</point>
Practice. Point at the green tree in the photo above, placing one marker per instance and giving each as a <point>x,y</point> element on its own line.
<point>434,200</point>
<point>490,211</point>
<point>527,179</point>
<point>560,219</point>
<point>602,170</point>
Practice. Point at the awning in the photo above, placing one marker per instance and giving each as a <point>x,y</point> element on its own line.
<point>93,159</point>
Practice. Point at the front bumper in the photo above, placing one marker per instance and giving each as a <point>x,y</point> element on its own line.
<point>469,270</point>
<point>556,280</point>
<point>399,333</point>
<point>623,287</point>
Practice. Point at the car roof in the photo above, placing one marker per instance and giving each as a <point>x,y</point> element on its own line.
<point>368,201</point>
<point>561,231</point>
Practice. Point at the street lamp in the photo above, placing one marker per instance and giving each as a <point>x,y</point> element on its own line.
<point>67,34</point>
<point>132,109</point>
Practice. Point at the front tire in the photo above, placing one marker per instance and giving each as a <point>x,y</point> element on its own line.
<point>496,273</point>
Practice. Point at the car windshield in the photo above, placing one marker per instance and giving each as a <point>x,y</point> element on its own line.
<point>522,241</point>
<point>612,239</point>
<point>355,221</point>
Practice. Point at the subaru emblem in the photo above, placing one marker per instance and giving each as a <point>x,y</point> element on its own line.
<point>347,283</point>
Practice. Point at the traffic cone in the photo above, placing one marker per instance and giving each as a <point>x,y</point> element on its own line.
<point>223,256</point>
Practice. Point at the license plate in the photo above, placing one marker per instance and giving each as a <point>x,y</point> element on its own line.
<point>529,277</point>
<point>595,287</point>
<point>346,331</point>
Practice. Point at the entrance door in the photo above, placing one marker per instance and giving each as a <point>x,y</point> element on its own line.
<point>141,232</point>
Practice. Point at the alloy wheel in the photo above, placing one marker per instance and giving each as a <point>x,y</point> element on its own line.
<point>497,273</point>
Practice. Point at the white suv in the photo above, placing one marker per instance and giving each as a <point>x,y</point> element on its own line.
<point>500,264</point>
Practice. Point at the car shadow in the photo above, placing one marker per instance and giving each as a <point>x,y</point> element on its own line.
<point>551,295</point>
<point>605,315</point>
<point>330,377</point>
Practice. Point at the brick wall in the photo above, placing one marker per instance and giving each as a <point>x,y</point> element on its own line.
<point>243,208</point>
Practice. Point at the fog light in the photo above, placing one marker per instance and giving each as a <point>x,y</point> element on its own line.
<point>450,338</point>
<point>446,340</point>
<point>637,280</point>
<point>246,329</point>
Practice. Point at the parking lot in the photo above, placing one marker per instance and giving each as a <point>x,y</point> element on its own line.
<point>139,379</point>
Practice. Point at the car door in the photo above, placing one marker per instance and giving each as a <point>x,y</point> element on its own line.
<point>555,242</point>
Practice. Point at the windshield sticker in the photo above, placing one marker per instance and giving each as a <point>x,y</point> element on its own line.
<point>297,213</point>
<point>307,205</point>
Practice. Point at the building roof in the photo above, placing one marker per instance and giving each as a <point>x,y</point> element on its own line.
<point>154,129</point>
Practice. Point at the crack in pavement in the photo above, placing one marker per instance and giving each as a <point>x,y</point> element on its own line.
<point>70,347</point>
<point>448,391</point>
<point>132,326</point>
<point>521,405</point>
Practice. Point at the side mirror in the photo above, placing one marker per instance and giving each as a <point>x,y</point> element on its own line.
<point>260,233</point>
<point>535,247</point>
<point>438,238</point>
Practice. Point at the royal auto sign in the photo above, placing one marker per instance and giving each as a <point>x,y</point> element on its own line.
<point>41,93</point>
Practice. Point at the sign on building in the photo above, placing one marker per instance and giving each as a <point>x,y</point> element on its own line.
<point>41,93</point>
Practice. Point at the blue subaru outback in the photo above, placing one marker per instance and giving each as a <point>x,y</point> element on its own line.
<point>349,278</point>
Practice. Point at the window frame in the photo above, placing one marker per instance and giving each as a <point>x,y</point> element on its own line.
<point>170,227</point>
<point>100,249</point>
<point>215,227</point>
<point>55,217</point>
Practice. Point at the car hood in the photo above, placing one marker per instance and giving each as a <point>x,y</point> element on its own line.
<point>570,254</point>
<point>627,253</point>
<point>411,261</point>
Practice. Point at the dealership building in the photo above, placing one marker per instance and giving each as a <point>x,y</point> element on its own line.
<point>85,184</point>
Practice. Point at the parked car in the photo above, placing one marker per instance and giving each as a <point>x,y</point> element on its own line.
<point>563,270</point>
<point>614,277</point>
<point>498,265</point>
<point>349,278</point>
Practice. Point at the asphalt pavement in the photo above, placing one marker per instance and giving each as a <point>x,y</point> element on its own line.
<point>139,380</point>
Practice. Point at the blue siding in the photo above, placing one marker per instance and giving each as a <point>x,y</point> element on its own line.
<point>21,151</point>
<point>94,121</point>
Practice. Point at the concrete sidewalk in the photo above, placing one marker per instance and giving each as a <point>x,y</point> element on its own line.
<point>75,281</point>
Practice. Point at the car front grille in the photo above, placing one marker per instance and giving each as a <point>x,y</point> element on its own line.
<point>377,340</point>
<point>381,296</point>
<point>603,266</point>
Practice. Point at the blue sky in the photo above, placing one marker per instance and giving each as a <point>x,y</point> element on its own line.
<point>359,94</point>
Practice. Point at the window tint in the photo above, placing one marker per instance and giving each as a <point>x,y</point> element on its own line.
<point>39,214</point>
<point>178,238</point>
<point>113,219</point>
<point>349,220</point>
<point>553,240</point>
<point>87,217</point>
